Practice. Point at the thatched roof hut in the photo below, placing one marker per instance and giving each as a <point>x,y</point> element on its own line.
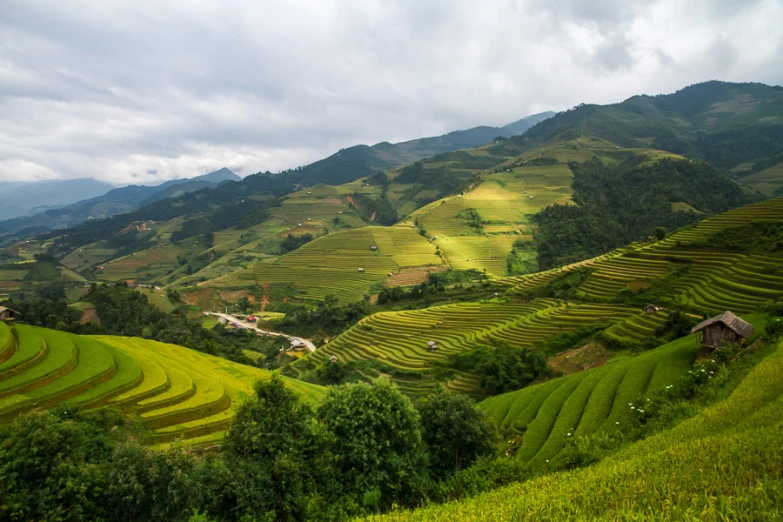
<point>726,327</point>
<point>651,309</point>
<point>432,345</point>
<point>7,314</point>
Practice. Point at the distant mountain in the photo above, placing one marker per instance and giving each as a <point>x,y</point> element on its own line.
<point>726,124</point>
<point>115,201</point>
<point>363,160</point>
<point>394,155</point>
<point>22,199</point>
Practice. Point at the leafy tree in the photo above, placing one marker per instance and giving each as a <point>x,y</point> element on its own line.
<point>332,372</point>
<point>377,440</point>
<point>508,369</point>
<point>276,456</point>
<point>455,432</point>
<point>660,233</point>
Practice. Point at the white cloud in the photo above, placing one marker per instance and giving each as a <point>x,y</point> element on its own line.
<point>143,91</point>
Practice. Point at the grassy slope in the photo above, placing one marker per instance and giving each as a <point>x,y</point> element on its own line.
<point>174,392</point>
<point>723,464</point>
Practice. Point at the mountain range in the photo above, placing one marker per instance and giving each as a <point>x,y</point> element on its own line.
<point>115,201</point>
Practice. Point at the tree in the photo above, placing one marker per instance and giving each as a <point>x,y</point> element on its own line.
<point>508,369</point>
<point>275,456</point>
<point>660,233</point>
<point>455,432</point>
<point>377,440</point>
<point>244,303</point>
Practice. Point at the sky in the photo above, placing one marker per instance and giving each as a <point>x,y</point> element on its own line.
<point>144,91</point>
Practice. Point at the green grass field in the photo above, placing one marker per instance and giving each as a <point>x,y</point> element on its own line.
<point>174,392</point>
<point>330,264</point>
<point>722,464</point>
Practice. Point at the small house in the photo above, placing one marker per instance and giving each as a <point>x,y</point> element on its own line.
<point>361,270</point>
<point>6,314</point>
<point>373,247</point>
<point>651,309</point>
<point>333,359</point>
<point>252,319</point>
<point>725,327</point>
<point>297,344</point>
<point>432,346</point>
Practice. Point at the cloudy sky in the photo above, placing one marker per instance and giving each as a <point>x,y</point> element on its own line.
<point>140,91</point>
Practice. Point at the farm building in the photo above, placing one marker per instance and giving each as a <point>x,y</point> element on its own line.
<point>297,344</point>
<point>651,309</point>
<point>6,314</point>
<point>373,247</point>
<point>361,270</point>
<point>432,345</point>
<point>333,359</point>
<point>725,327</point>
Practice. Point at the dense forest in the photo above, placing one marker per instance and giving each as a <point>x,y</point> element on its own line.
<point>618,205</point>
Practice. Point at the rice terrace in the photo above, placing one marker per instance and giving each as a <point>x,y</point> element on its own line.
<point>574,315</point>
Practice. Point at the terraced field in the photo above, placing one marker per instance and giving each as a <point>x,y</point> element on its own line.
<point>721,464</point>
<point>331,264</point>
<point>399,339</point>
<point>601,399</point>
<point>713,281</point>
<point>504,202</point>
<point>174,392</point>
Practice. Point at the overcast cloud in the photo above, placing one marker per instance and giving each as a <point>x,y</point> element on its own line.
<point>140,91</point>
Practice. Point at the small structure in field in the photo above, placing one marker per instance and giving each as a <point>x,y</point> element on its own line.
<point>333,359</point>
<point>297,344</point>
<point>252,319</point>
<point>725,327</point>
<point>361,270</point>
<point>432,346</point>
<point>390,274</point>
<point>373,247</point>
<point>651,309</point>
<point>7,314</point>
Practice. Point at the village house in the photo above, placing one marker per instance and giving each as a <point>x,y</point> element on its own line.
<point>723,328</point>
<point>651,309</point>
<point>6,314</point>
<point>432,346</point>
<point>333,359</point>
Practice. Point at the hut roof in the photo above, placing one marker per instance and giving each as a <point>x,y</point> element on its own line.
<point>740,326</point>
<point>3,309</point>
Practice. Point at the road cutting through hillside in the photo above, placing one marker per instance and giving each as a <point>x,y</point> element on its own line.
<point>249,326</point>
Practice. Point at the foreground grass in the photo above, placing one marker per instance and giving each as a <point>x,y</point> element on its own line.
<point>726,463</point>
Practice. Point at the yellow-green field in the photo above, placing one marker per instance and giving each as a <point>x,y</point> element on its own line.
<point>505,202</point>
<point>173,392</point>
<point>766,181</point>
<point>330,264</point>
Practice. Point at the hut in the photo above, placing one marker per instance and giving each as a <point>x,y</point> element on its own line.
<point>725,327</point>
<point>432,345</point>
<point>651,309</point>
<point>373,247</point>
<point>361,270</point>
<point>297,344</point>
<point>6,314</point>
<point>333,359</point>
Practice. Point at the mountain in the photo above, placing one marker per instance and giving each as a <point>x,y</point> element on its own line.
<point>409,151</point>
<point>729,125</point>
<point>115,201</point>
<point>21,199</point>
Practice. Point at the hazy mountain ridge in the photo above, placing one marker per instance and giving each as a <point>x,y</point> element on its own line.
<point>115,201</point>
<point>21,198</point>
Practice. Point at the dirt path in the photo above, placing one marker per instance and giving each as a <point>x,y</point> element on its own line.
<point>249,326</point>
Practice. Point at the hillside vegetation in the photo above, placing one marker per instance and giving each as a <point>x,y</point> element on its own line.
<point>722,464</point>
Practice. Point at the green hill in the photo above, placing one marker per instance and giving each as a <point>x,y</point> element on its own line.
<point>685,271</point>
<point>722,464</point>
<point>172,392</point>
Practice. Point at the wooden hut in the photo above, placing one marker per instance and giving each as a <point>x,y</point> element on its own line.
<point>432,345</point>
<point>651,309</point>
<point>6,314</point>
<point>333,359</point>
<point>725,327</point>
